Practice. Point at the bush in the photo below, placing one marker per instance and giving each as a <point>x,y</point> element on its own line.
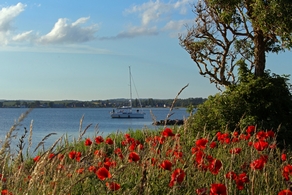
<point>263,101</point>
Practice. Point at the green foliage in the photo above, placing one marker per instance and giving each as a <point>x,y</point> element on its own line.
<point>65,175</point>
<point>194,164</point>
<point>224,31</point>
<point>265,102</point>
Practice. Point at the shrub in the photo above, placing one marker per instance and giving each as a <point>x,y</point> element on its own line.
<point>263,101</point>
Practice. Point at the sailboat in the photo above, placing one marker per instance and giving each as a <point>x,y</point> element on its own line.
<point>127,111</point>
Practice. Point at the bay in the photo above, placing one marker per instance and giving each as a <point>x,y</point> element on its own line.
<point>67,121</point>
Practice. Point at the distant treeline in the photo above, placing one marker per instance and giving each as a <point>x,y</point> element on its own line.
<point>112,103</point>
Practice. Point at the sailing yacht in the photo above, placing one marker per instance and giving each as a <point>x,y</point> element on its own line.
<point>127,111</point>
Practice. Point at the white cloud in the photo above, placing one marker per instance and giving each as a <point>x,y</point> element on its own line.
<point>7,15</point>
<point>177,28</point>
<point>24,36</point>
<point>64,32</point>
<point>150,11</point>
<point>182,5</point>
<point>155,13</point>
<point>134,31</point>
<point>176,25</point>
<point>154,16</point>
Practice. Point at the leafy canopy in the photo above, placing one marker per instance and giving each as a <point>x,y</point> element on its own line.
<point>228,31</point>
<point>262,101</point>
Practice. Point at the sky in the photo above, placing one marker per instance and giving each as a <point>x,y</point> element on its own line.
<point>81,50</point>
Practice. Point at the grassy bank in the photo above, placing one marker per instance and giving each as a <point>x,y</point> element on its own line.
<point>169,161</point>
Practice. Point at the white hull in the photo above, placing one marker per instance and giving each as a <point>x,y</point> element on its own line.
<point>127,115</point>
<point>126,111</point>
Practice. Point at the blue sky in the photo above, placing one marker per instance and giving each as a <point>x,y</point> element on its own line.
<point>81,50</point>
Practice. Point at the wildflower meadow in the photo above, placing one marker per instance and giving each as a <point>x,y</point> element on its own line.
<point>169,161</point>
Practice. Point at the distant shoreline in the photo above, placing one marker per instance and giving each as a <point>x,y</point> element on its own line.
<point>113,103</point>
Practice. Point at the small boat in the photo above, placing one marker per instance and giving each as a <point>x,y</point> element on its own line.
<point>127,111</point>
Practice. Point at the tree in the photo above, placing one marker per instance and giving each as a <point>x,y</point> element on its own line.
<point>228,31</point>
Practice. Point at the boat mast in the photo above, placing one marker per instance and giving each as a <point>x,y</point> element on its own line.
<point>130,87</point>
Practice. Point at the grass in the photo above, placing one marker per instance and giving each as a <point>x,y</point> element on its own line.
<point>168,161</point>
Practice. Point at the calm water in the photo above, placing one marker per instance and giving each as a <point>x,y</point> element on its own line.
<point>67,121</point>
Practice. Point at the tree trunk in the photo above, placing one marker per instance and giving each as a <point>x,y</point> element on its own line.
<point>259,53</point>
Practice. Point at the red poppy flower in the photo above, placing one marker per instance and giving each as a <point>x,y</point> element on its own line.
<point>153,161</point>
<point>80,171</point>
<point>260,145</point>
<point>287,170</point>
<point>227,141</point>
<point>199,157</point>
<point>235,140</point>
<point>92,169</point>
<point>5,192</point>
<point>87,142</point>
<point>133,156</point>
<point>239,184</point>
<point>244,137</point>
<point>285,192</point>
<point>235,134</point>
<point>127,136</point>
<point>209,158</point>
<point>218,189</point>
<point>215,166</point>
<point>36,159</point>
<point>235,150</point>
<point>177,154</point>
<point>60,167</point>
<point>99,139</point>
<point>102,173</point>
<point>132,146</point>
<point>258,163</point>
<point>243,177</point>
<point>51,155</point>
<point>271,133</point>
<point>231,175</point>
<point>201,143</point>
<point>166,165</point>
<point>213,144</point>
<point>113,186</point>
<point>178,176</point>
<point>159,139</point>
<point>167,132</point>
<point>140,146</point>
<point>78,156</point>
<point>99,153</point>
<point>2,178</point>
<point>118,152</point>
<point>241,180</point>
<point>109,141</point>
<point>75,155</point>
<point>108,162</point>
<point>223,137</point>
<point>261,135</point>
<point>194,150</point>
<point>60,156</point>
<point>283,157</point>
<point>250,129</point>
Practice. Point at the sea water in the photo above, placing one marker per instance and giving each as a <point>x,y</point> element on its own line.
<point>66,121</point>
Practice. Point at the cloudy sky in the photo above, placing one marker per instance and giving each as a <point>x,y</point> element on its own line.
<point>81,50</point>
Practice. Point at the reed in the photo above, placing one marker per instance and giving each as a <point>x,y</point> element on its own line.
<point>167,161</point>
<point>172,160</point>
